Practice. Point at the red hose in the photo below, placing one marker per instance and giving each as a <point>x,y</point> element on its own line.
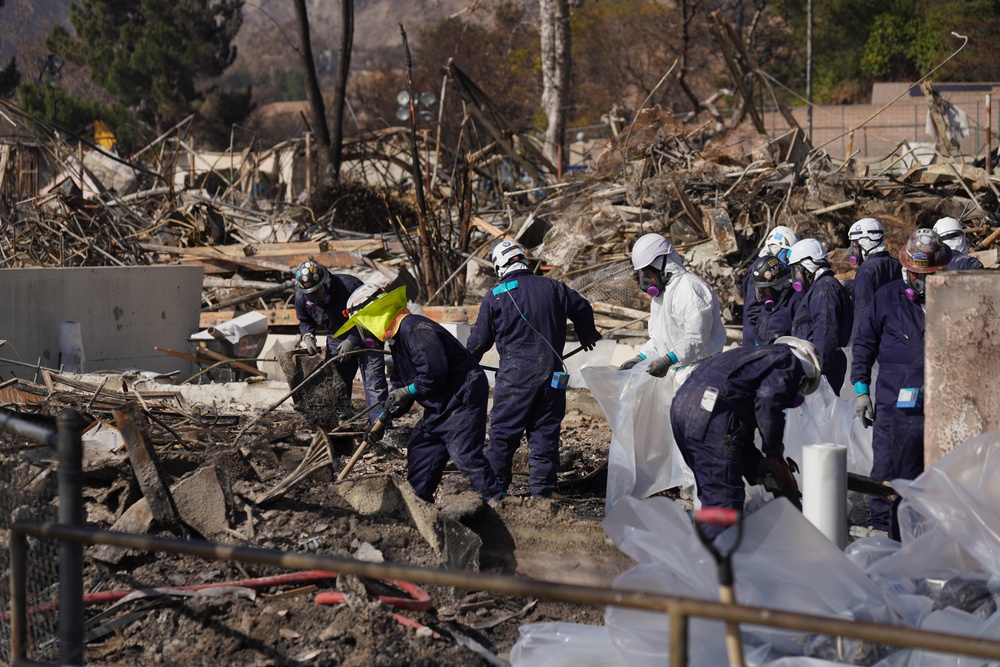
<point>419,600</point>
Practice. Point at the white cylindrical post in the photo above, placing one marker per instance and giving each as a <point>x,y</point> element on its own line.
<point>824,490</point>
<point>71,357</point>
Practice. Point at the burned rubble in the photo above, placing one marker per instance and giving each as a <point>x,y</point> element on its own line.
<point>259,465</point>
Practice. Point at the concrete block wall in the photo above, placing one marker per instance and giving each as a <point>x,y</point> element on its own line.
<point>124,312</point>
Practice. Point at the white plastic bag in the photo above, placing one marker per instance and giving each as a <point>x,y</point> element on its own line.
<point>643,457</point>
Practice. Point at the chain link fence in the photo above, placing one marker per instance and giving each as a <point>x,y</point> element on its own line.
<point>29,492</point>
<point>614,284</point>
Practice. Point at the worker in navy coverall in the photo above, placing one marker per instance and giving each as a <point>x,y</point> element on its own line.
<point>771,280</point>
<point>525,315</point>
<point>825,316</point>
<point>876,267</point>
<point>320,298</point>
<point>430,367</point>
<point>724,401</point>
<point>892,333</point>
<point>778,244</point>
<point>952,234</point>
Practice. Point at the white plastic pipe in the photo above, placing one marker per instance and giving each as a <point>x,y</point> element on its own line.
<point>824,490</point>
<point>71,357</point>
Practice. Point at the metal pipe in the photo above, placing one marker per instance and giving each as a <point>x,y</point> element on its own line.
<point>274,289</point>
<point>495,583</point>
<point>678,638</point>
<point>69,424</point>
<point>26,429</point>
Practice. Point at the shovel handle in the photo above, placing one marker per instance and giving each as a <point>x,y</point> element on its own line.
<point>375,428</point>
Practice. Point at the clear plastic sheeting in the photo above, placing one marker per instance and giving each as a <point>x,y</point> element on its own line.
<point>960,494</point>
<point>944,576</point>
<point>565,645</point>
<point>825,418</point>
<point>643,457</point>
<point>783,562</point>
<point>952,621</point>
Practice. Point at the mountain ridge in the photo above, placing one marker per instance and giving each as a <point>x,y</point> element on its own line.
<point>268,33</point>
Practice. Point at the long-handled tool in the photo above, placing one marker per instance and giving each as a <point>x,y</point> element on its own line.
<point>580,348</point>
<point>720,516</point>
<point>372,431</point>
<point>319,369</point>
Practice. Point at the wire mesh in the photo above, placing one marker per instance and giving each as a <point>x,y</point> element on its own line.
<point>30,493</point>
<point>614,284</point>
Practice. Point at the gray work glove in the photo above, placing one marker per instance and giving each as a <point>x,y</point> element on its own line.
<point>659,367</point>
<point>864,410</point>
<point>346,345</point>
<point>630,363</point>
<point>400,401</point>
<point>309,341</point>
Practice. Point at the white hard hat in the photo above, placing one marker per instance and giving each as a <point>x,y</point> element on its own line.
<point>507,252</point>
<point>867,228</point>
<point>648,248</point>
<point>806,353</point>
<point>363,296</point>
<point>807,249</point>
<point>945,225</point>
<point>952,234</point>
<point>780,238</point>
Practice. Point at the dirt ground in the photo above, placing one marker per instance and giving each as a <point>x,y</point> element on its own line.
<point>283,624</point>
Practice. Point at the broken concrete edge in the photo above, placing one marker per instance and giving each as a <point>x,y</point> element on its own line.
<point>201,503</point>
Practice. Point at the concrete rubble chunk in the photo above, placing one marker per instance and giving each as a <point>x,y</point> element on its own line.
<point>134,428</point>
<point>136,519</point>
<point>201,502</point>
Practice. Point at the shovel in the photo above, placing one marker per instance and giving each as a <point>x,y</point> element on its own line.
<point>373,430</point>
<point>721,516</point>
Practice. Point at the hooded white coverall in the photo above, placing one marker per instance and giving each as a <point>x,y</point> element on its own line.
<point>684,319</point>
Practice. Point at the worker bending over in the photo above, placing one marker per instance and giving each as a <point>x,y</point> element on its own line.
<point>320,300</point>
<point>430,367</point>
<point>725,400</point>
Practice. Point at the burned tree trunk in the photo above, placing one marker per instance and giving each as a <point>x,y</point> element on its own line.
<point>340,89</point>
<point>555,36</point>
<point>317,110</point>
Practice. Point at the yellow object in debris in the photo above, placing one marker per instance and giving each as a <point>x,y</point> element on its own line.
<point>103,136</point>
<point>381,317</point>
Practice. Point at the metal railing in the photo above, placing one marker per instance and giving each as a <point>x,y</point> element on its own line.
<point>72,535</point>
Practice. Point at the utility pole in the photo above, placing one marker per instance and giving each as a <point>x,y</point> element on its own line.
<point>809,70</point>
